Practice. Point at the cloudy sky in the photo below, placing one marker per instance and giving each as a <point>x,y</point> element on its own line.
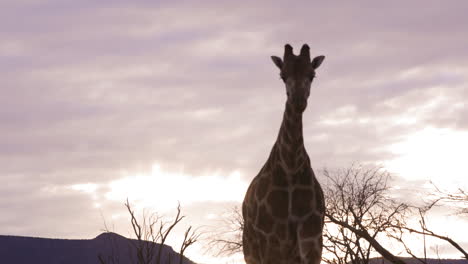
<point>166,101</point>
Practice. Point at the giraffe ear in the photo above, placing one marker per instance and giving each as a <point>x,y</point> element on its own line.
<point>277,61</point>
<point>317,61</point>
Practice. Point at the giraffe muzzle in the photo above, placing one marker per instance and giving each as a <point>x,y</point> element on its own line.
<point>300,104</point>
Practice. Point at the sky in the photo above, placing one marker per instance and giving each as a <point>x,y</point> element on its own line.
<point>163,102</point>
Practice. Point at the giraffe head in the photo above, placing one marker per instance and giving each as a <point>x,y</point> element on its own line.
<point>297,72</point>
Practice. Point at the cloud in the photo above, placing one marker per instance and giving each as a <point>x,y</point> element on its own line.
<point>92,90</point>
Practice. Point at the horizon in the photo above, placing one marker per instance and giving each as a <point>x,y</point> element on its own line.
<point>168,101</point>
<point>29,243</point>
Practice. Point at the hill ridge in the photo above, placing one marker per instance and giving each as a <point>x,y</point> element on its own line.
<point>39,250</point>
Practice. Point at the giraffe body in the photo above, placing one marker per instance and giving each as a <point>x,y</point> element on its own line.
<point>283,208</point>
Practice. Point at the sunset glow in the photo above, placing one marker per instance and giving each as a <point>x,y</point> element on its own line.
<point>432,154</point>
<point>162,190</point>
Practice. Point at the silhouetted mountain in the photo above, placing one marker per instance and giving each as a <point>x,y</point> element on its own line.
<point>19,250</point>
<point>415,261</point>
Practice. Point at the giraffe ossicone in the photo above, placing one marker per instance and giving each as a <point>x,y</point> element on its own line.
<point>284,208</point>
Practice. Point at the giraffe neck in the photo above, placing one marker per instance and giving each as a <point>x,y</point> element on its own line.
<point>290,142</point>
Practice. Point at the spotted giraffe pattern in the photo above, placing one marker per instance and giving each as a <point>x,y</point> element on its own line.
<point>283,208</point>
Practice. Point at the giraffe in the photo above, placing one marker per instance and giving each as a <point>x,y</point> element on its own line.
<point>284,208</point>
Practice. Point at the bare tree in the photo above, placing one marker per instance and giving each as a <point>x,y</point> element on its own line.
<point>151,234</point>
<point>359,204</point>
<point>459,198</point>
<point>424,231</point>
<point>190,237</point>
<point>226,239</point>
<point>144,232</point>
<point>359,211</point>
